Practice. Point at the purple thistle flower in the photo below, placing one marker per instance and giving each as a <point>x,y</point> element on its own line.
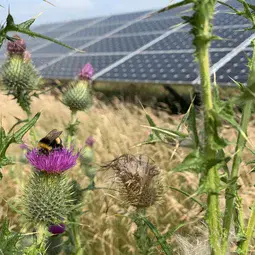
<point>56,162</point>
<point>57,229</point>
<point>90,141</point>
<point>86,72</point>
<point>16,47</point>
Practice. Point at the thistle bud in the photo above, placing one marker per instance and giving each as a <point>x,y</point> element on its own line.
<point>87,158</point>
<point>20,78</point>
<point>16,47</point>
<point>78,96</point>
<point>138,180</point>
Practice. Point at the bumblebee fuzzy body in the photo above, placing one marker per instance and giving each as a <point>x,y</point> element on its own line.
<point>50,142</point>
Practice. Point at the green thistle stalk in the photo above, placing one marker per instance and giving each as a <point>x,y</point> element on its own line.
<point>244,245</point>
<point>241,141</point>
<point>202,30</point>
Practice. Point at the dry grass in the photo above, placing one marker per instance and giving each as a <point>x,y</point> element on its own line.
<point>116,129</point>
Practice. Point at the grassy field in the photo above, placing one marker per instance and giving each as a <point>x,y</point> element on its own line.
<point>117,128</point>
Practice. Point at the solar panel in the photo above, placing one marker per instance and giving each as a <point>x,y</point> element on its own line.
<point>153,25</point>
<point>95,31</point>
<point>236,68</point>
<point>120,44</point>
<point>55,48</point>
<point>224,19</point>
<point>71,66</point>
<point>161,67</point>
<point>155,67</point>
<point>123,18</point>
<point>128,48</point>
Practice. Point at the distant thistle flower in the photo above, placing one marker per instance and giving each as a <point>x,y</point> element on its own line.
<point>19,76</point>
<point>90,141</point>
<point>56,162</point>
<point>78,96</point>
<point>86,72</point>
<point>138,179</point>
<point>57,229</point>
<point>87,158</point>
<point>17,47</point>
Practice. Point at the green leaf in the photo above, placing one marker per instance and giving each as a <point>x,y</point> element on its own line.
<point>27,24</point>
<point>22,131</point>
<point>197,162</point>
<point>152,124</point>
<point>160,238</point>
<point>189,196</point>
<point>168,132</point>
<point>193,126</point>
<point>24,28</point>
<point>8,240</point>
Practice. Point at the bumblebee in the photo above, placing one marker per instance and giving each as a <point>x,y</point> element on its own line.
<point>50,142</point>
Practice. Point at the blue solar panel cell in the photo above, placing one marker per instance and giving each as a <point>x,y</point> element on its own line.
<point>175,41</point>
<point>150,26</point>
<point>227,19</point>
<point>55,33</point>
<point>123,18</point>
<point>69,26</point>
<point>38,61</point>
<point>120,44</point>
<point>95,31</point>
<point>71,66</point>
<point>176,12</point>
<point>233,3</point>
<point>155,67</point>
<point>236,68</point>
<point>55,48</point>
<point>231,38</point>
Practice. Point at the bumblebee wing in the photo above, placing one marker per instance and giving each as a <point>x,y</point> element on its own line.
<point>51,136</point>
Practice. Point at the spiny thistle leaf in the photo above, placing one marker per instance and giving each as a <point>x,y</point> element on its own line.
<point>196,162</point>
<point>192,123</point>
<point>24,28</point>
<point>8,240</point>
<point>6,140</point>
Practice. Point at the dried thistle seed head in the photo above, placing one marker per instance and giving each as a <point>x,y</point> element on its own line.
<point>138,178</point>
<point>17,47</point>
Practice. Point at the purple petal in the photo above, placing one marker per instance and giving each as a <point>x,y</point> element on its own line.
<point>90,141</point>
<point>86,72</point>
<point>57,229</point>
<point>23,146</point>
<point>16,47</point>
<point>56,162</point>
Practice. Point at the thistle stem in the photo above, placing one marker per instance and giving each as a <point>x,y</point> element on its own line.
<point>244,247</point>
<point>76,235</point>
<point>213,211</point>
<point>143,241</point>
<point>71,131</point>
<point>241,141</point>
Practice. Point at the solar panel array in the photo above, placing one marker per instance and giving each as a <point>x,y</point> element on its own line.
<point>138,47</point>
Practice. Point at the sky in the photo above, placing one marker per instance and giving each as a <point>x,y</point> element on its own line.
<point>65,10</point>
